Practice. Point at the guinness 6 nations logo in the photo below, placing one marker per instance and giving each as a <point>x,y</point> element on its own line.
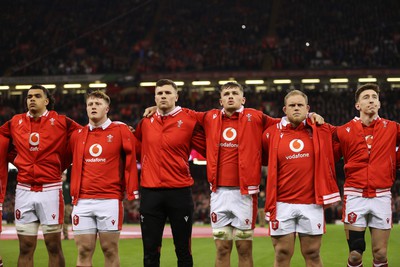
<point>95,150</point>
<point>296,145</point>
<point>34,139</point>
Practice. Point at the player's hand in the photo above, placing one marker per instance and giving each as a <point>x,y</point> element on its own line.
<point>316,118</point>
<point>148,112</point>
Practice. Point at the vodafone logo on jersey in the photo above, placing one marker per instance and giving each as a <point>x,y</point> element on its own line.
<point>34,141</point>
<point>95,150</point>
<point>229,134</point>
<point>369,139</point>
<point>296,145</point>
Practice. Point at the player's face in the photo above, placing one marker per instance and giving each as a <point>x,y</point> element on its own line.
<point>368,103</point>
<point>165,97</point>
<point>97,109</point>
<point>36,101</point>
<point>296,109</point>
<point>232,99</point>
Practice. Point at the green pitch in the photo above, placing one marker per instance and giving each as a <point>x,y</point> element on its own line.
<point>334,251</point>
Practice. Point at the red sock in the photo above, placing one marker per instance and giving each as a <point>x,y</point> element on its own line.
<point>358,264</point>
<point>380,264</point>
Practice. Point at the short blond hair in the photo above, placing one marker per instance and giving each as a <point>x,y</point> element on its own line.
<point>295,92</point>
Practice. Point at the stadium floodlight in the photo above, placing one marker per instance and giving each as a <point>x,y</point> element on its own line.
<point>367,80</point>
<point>393,79</point>
<point>261,88</point>
<point>97,85</point>
<point>254,81</point>
<point>222,82</point>
<point>209,89</point>
<point>282,81</point>
<point>15,93</point>
<point>72,85</point>
<point>179,83</point>
<point>310,81</point>
<point>49,86</point>
<point>148,84</point>
<point>197,83</point>
<point>4,87</point>
<point>23,86</point>
<point>339,80</point>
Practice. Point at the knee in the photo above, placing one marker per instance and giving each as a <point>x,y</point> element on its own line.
<point>283,254</point>
<point>110,251</point>
<point>85,250</point>
<point>355,256</point>
<point>311,254</point>
<point>380,254</point>
<point>27,247</point>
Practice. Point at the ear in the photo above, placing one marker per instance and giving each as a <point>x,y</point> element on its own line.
<point>177,97</point>
<point>284,109</point>
<point>220,102</point>
<point>308,108</point>
<point>47,101</point>
<point>357,105</point>
<point>243,100</point>
<point>107,109</point>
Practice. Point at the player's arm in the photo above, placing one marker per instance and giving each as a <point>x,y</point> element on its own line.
<point>130,171</point>
<point>4,146</point>
<point>337,149</point>
<point>198,140</point>
<point>138,140</point>
<point>5,129</point>
<point>265,139</point>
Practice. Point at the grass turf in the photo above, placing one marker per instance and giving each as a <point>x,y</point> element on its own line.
<point>333,251</point>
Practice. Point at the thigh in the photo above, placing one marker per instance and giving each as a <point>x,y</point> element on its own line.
<point>180,207</point>
<point>310,242</point>
<point>355,211</point>
<point>109,240</point>
<point>311,220</point>
<point>49,207</point>
<point>219,209</point>
<point>83,218</point>
<point>244,209</point>
<point>285,222</point>
<point>24,208</point>
<point>284,243</point>
<point>86,242</point>
<point>380,216</point>
<point>108,214</point>
<point>152,217</point>
<point>379,238</point>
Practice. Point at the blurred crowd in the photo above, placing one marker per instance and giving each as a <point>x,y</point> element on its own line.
<point>89,37</point>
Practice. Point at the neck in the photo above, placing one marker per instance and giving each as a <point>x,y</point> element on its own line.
<point>368,119</point>
<point>36,114</point>
<point>165,111</point>
<point>98,123</point>
<point>294,124</point>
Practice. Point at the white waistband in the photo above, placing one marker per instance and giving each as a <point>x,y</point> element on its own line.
<point>39,187</point>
